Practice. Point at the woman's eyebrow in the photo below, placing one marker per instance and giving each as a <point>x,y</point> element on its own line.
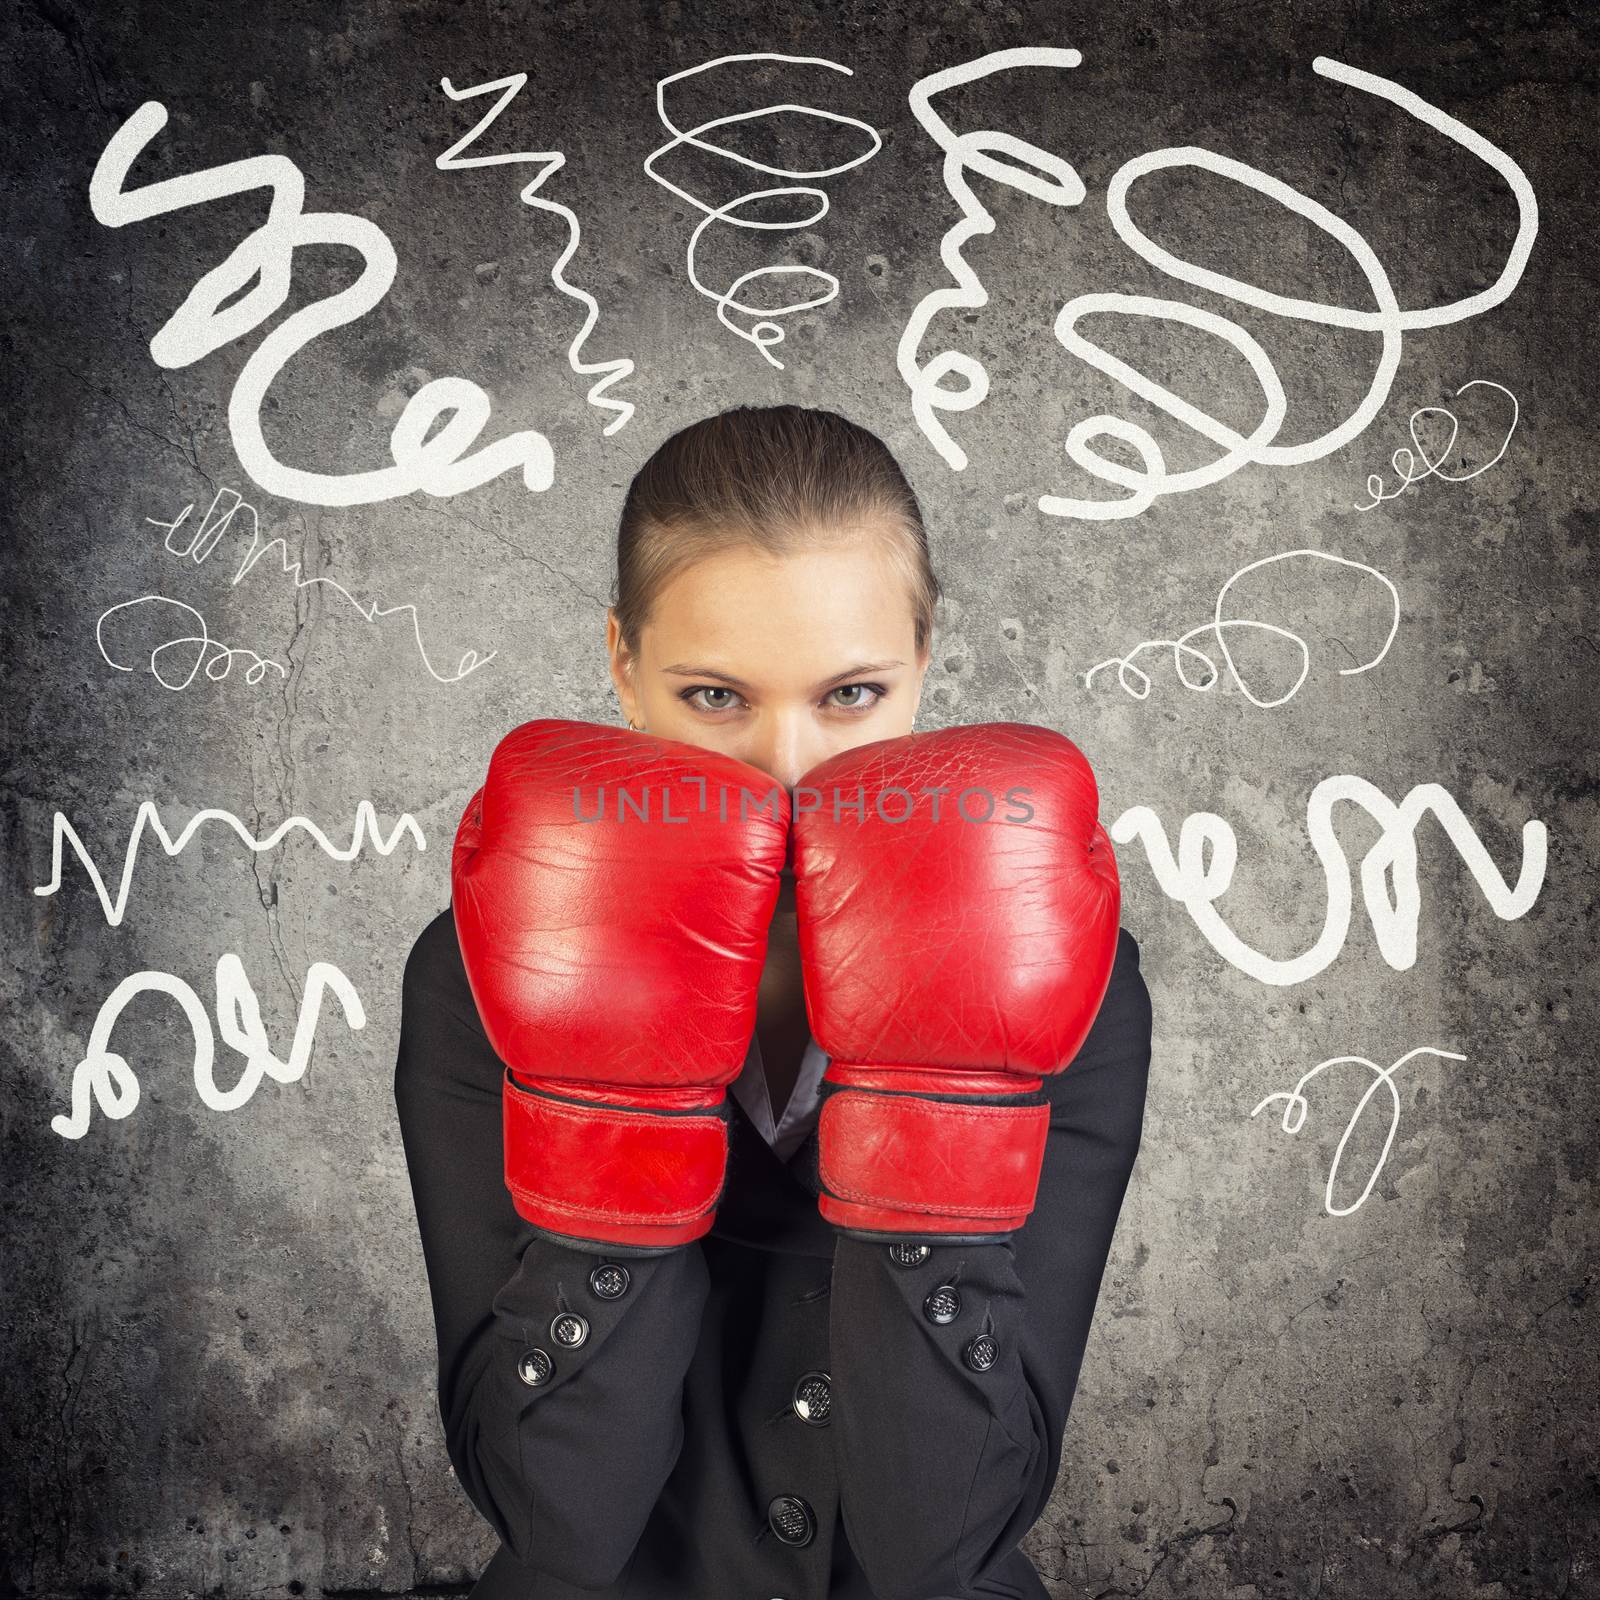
<point>684,670</point>
<point>857,671</point>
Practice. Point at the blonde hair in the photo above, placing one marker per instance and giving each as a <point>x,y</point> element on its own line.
<point>778,478</point>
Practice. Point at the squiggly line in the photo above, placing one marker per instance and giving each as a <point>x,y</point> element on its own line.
<point>105,1077</point>
<point>204,646</point>
<point>1219,626</point>
<point>1297,1106</point>
<point>252,284</point>
<point>553,161</point>
<point>366,832</point>
<point>981,151</point>
<point>766,331</point>
<point>1389,321</point>
<point>205,540</point>
<point>1151,478</point>
<point>1388,872</point>
<point>1402,458</point>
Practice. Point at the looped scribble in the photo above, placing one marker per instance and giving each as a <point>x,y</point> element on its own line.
<point>441,421</point>
<point>1219,626</point>
<point>192,650</point>
<point>1404,461</point>
<point>1036,172</point>
<point>765,330</point>
<point>1047,177</point>
<point>197,650</point>
<point>1296,1106</point>
<point>104,1078</point>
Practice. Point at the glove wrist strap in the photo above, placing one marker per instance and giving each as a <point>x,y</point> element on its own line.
<point>586,1169</point>
<point>940,1153</point>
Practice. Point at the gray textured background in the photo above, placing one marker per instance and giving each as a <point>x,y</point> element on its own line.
<point>219,1357</point>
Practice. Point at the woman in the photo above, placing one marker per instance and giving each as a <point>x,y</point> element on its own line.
<point>780,1406</point>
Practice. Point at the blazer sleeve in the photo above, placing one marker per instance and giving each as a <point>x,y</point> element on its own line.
<point>944,1463</point>
<point>566,1464</point>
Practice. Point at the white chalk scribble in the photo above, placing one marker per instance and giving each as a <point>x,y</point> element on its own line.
<point>215,523</point>
<point>440,422</point>
<point>1388,872</point>
<point>366,834</point>
<point>209,653</point>
<point>1404,462</point>
<point>1001,158</point>
<point>1296,1107</point>
<point>765,331</point>
<point>550,162</point>
<point>1219,625</point>
<point>1049,178</point>
<point>106,1079</point>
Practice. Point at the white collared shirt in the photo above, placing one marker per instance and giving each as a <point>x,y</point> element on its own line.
<point>785,1133</point>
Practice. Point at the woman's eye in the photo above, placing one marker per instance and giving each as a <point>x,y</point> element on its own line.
<point>857,696</point>
<point>711,689</point>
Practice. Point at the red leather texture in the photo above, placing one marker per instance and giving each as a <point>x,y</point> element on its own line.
<point>949,962</point>
<point>615,963</point>
<point>959,1167</point>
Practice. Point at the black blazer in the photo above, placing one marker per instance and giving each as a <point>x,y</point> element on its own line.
<point>772,1412</point>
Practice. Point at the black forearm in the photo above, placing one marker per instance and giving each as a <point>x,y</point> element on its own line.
<point>944,1469</point>
<point>566,1470</point>
<point>934,1455</point>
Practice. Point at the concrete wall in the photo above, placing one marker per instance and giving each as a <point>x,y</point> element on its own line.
<point>219,1371</point>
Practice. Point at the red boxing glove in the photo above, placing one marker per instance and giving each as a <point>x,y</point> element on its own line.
<point>612,895</point>
<point>959,910</point>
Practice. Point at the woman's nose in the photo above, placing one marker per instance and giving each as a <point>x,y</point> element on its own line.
<point>786,754</point>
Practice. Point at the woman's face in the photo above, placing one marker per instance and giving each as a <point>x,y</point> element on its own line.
<point>780,661</point>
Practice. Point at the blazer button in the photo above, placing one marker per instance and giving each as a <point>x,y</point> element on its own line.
<point>981,1353</point>
<point>813,1398</point>
<point>905,1254</point>
<point>790,1518</point>
<point>609,1281</point>
<point>569,1330</point>
<point>535,1368</point>
<point>943,1305</point>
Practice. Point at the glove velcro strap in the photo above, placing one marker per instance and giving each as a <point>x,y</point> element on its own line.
<point>897,1162</point>
<point>613,1174</point>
